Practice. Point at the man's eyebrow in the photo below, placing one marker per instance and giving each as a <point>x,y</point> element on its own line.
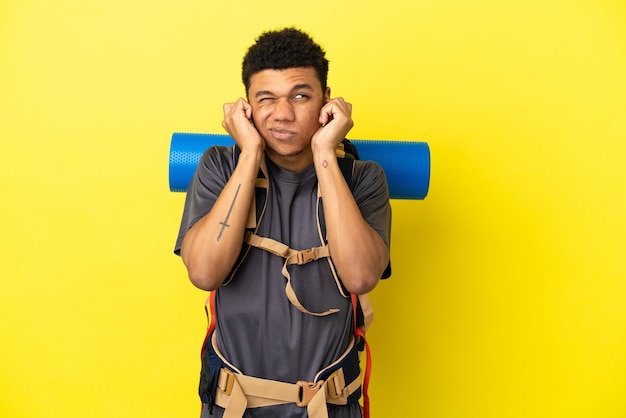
<point>263,93</point>
<point>303,86</point>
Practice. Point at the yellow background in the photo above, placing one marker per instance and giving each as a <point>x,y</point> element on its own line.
<point>508,297</point>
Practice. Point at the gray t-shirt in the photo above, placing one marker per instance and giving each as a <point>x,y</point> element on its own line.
<point>258,329</point>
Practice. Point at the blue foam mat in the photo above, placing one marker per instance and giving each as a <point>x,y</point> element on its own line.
<point>406,163</point>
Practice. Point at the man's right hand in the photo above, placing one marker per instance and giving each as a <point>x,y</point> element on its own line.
<point>238,123</point>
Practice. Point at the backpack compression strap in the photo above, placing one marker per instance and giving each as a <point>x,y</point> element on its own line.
<point>291,256</point>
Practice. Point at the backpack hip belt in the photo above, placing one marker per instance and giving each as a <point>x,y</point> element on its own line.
<point>236,392</point>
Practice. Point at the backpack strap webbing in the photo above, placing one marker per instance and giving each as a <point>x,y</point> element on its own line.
<point>336,384</point>
<point>291,256</point>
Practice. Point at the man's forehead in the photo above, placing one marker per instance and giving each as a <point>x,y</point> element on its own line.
<point>285,79</point>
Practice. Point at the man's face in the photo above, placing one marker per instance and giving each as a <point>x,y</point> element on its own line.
<point>285,110</point>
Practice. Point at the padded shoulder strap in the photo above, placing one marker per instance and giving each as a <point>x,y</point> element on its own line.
<point>346,165</point>
<point>256,212</point>
<point>346,154</point>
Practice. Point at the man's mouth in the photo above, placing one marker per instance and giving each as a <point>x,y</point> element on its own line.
<point>282,134</point>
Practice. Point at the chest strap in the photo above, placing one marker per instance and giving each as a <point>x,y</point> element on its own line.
<point>291,256</point>
<point>237,392</point>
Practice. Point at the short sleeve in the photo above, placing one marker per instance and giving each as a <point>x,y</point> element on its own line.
<point>371,193</point>
<point>214,169</point>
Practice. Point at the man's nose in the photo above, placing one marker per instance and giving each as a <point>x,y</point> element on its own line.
<point>283,110</point>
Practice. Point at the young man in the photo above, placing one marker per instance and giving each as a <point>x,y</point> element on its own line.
<point>282,296</point>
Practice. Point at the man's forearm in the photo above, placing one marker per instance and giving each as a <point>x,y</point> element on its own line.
<point>210,248</point>
<point>358,252</point>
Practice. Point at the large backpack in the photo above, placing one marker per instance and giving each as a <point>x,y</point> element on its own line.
<point>361,307</point>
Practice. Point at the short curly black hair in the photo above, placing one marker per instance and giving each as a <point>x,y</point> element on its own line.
<point>281,49</point>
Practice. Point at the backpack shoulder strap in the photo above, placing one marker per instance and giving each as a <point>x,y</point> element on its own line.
<point>257,209</point>
<point>346,155</point>
<point>256,212</point>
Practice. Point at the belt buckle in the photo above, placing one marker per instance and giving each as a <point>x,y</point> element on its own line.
<point>226,381</point>
<point>306,256</point>
<point>307,391</point>
<point>336,384</point>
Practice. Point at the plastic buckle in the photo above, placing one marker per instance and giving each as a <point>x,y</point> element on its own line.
<point>226,381</point>
<point>336,385</point>
<point>307,391</point>
<point>306,256</point>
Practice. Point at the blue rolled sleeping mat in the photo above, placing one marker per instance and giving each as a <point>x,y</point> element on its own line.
<point>406,163</point>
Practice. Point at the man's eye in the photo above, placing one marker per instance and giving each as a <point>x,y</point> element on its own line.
<point>300,96</point>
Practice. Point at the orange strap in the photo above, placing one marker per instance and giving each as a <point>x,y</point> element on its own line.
<point>368,359</point>
<point>209,308</point>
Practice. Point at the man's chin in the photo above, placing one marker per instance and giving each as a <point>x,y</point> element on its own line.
<point>286,152</point>
<point>291,157</point>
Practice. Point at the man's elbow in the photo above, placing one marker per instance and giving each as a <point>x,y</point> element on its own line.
<point>203,280</point>
<point>362,280</point>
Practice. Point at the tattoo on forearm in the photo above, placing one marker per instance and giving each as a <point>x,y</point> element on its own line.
<point>230,209</point>
<point>324,163</point>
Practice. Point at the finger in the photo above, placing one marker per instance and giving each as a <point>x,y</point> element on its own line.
<point>228,107</point>
<point>335,107</point>
<point>325,115</point>
<point>241,106</point>
<point>342,105</point>
<point>328,111</point>
<point>247,109</point>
